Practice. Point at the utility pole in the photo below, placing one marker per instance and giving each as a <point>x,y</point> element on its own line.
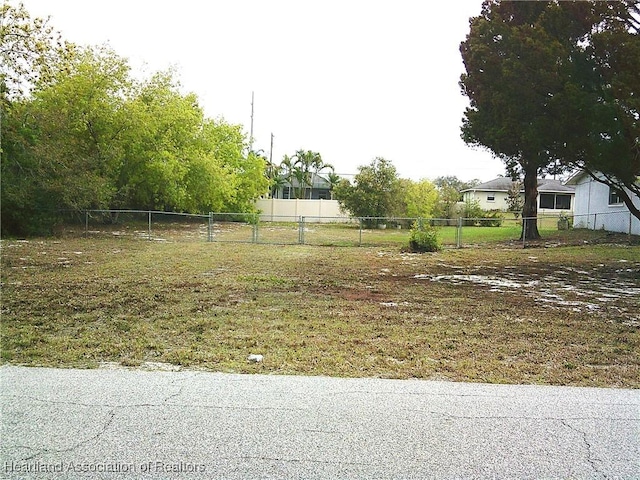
<point>272,168</point>
<point>251,133</point>
<point>271,150</point>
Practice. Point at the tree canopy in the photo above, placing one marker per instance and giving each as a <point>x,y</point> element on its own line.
<point>552,85</point>
<point>299,171</point>
<point>602,107</point>
<point>91,136</point>
<point>374,193</point>
<point>29,49</point>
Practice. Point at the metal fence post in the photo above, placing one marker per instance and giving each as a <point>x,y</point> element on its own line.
<point>301,231</point>
<point>210,228</point>
<point>256,219</point>
<point>149,224</point>
<point>459,233</point>
<point>86,224</point>
<point>524,233</point>
<point>360,233</point>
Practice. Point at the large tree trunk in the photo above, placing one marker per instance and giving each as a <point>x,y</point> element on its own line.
<point>530,209</point>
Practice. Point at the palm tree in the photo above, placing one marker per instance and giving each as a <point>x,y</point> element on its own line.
<point>285,172</point>
<point>276,179</point>
<point>308,165</point>
<point>302,165</point>
<point>334,179</point>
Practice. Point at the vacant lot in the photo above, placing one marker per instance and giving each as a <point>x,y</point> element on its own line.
<point>564,315</point>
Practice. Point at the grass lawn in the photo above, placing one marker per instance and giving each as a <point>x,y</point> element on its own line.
<point>563,316</point>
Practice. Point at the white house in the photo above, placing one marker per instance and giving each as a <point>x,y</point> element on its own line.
<point>553,196</point>
<point>598,206</point>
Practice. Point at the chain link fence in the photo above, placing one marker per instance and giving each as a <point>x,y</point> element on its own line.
<point>341,231</point>
<point>138,224</point>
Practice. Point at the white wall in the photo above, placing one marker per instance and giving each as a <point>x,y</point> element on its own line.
<point>592,209</point>
<point>501,202</point>
<point>280,210</point>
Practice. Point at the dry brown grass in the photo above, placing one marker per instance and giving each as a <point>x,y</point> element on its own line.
<point>564,316</point>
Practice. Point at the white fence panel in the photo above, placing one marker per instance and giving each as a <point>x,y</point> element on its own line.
<point>323,211</point>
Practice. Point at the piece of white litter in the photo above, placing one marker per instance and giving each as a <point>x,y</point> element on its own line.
<point>255,358</point>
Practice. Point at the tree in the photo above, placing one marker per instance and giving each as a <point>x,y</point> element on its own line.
<point>514,199</point>
<point>167,134</point>
<point>554,86</point>
<point>300,170</point>
<point>449,194</point>
<point>275,176</point>
<point>30,51</point>
<point>374,192</point>
<point>334,179</point>
<point>515,57</point>
<point>419,199</point>
<point>455,183</point>
<point>306,165</point>
<point>92,137</point>
<point>62,146</point>
<point>602,107</point>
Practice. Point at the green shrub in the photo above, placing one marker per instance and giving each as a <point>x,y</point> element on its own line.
<point>474,216</point>
<point>424,238</point>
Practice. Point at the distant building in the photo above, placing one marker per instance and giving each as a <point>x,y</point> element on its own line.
<point>320,189</point>
<point>598,206</point>
<point>553,196</point>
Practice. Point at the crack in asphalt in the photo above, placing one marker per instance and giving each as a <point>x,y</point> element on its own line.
<point>110,416</point>
<point>585,440</point>
<point>299,460</point>
<point>515,417</point>
<point>161,403</point>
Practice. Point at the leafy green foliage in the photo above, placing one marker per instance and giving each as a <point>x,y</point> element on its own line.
<point>419,200</point>
<point>424,238</point>
<point>515,203</point>
<point>602,106</point>
<point>552,86</point>
<point>374,193</point>
<point>512,77</point>
<point>474,214</point>
<point>299,172</point>
<point>449,194</point>
<point>30,50</point>
<point>92,137</point>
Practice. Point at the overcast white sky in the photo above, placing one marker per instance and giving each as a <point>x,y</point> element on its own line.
<point>351,79</point>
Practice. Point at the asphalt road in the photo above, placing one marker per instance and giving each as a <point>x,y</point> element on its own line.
<point>120,424</point>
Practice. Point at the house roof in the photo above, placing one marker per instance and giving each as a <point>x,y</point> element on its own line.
<point>317,181</point>
<point>555,186</point>
<point>576,177</point>
<point>500,184</point>
<point>503,184</point>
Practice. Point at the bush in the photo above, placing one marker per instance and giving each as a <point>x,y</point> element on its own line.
<point>474,216</point>
<point>424,238</point>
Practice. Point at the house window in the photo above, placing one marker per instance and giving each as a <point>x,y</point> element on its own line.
<point>286,193</point>
<point>614,197</point>
<point>547,200</point>
<point>491,197</point>
<point>552,201</point>
<point>563,202</point>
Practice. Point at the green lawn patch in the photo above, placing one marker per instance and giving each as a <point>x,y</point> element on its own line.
<point>563,316</point>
